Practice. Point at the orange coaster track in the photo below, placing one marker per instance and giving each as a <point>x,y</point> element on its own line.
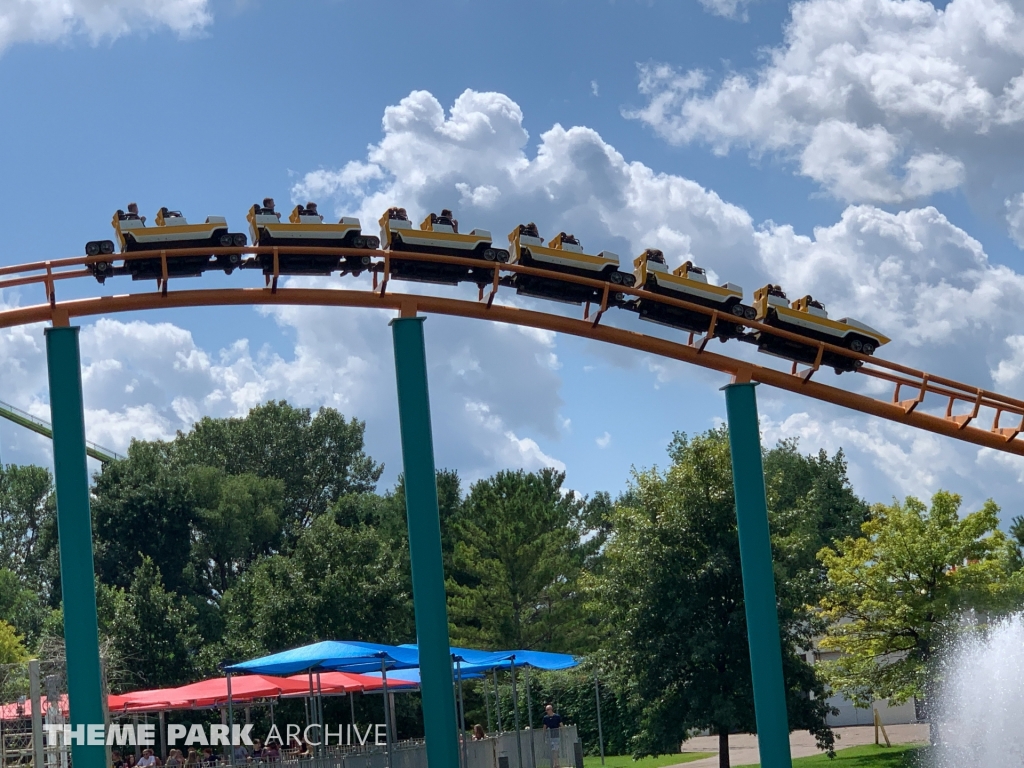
<point>965,405</point>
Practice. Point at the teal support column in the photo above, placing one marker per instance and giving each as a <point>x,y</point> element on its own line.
<point>758,577</point>
<point>74,531</point>
<point>428,592</point>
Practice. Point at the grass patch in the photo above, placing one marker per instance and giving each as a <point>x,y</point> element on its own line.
<point>626,761</point>
<point>868,756</point>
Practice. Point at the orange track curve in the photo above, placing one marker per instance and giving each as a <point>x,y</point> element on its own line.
<point>971,400</point>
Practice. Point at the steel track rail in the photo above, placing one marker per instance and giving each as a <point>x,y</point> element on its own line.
<point>969,400</point>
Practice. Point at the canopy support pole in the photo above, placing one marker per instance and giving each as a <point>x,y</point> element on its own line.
<point>497,701</point>
<point>758,577</point>
<point>529,716</point>
<point>487,704</point>
<point>162,733</point>
<point>231,720</point>
<point>352,705</point>
<point>310,712</point>
<point>597,706</point>
<point>462,716</point>
<point>74,534</point>
<point>387,711</point>
<point>320,713</point>
<point>515,714</point>
<point>425,556</point>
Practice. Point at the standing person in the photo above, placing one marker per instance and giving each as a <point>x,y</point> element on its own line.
<point>147,760</point>
<point>241,754</point>
<point>478,733</point>
<point>553,725</point>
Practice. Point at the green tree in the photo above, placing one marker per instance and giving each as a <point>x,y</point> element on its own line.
<point>152,630</point>
<point>896,592</point>
<point>672,591</point>
<point>516,564</point>
<point>12,648</point>
<point>237,520</point>
<point>1017,543</point>
<point>144,508</point>
<point>21,606</point>
<point>319,458</point>
<point>337,583</point>
<point>26,504</point>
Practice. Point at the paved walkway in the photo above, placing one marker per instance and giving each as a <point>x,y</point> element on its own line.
<point>743,747</point>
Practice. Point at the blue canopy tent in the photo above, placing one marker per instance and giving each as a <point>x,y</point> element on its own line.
<point>378,659</point>
<point>334,655</point>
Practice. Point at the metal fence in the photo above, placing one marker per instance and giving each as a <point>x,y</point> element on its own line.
<point>499,751</point>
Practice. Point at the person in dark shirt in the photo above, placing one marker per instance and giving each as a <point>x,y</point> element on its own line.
<point>553,725</point>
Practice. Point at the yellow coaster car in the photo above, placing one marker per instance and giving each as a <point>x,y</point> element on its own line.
<point>438,234</point>
<point>562,254</point>
<point>306,227</point>
<point>687,283</point>
<point>808,318</point>
<point>172,232</point>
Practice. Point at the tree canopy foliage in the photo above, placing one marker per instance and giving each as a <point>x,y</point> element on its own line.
<point>672,588</point>
<point>898,590</point>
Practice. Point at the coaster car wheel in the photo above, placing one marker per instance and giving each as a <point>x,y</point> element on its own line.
<point>92,248</point>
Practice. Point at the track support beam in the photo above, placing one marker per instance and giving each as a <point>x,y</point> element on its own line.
<point>439,720</point>
<point>74,532</point>
<point>758,577</point>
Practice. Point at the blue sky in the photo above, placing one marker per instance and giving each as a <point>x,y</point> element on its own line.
<point>867,151</point>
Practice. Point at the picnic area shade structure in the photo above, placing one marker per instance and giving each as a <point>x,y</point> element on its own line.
<point>350,682</point>
<point>214,691</point>
<point>330,655</point>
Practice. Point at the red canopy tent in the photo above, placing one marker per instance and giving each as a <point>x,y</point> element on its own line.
<point>212,692</point>
<point>349,682</point>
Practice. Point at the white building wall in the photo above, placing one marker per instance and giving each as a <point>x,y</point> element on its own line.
<point>851,715</point>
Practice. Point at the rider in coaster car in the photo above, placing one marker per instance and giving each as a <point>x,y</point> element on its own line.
<point>530,230</point>
<point>570,239</point>
<point>267,209</point>
<point>398,214</point>
<point>168,214</point>
<point>309,210</point>
<point>776,290</point>
<point>653,254</point>
<point>133,213</point>
<point>446,217</point>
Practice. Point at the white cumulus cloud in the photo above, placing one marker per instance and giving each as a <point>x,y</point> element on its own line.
<point>1015,218</point>
<point>729,9</point>
<point>877,100</point>
<point>49,21</point>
